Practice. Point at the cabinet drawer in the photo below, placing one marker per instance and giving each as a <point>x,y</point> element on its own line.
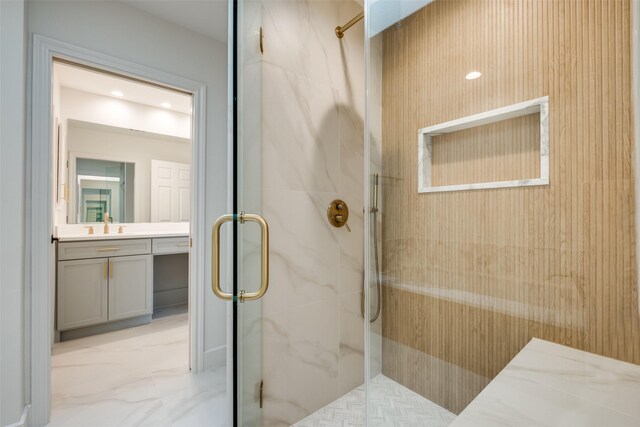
<point>170,245</point>
<point>106,248</point>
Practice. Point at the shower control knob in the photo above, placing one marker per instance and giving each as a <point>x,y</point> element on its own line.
<point>338,213</point>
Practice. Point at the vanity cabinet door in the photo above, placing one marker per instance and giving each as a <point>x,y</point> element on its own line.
<point>130,286</point>
<point>82,293</point>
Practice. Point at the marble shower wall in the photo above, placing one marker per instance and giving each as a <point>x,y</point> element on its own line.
<point>312,91</point>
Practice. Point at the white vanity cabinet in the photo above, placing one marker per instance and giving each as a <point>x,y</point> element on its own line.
<point>108,281</point>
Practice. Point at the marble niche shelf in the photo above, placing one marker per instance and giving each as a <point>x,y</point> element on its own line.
<point>538,105</point>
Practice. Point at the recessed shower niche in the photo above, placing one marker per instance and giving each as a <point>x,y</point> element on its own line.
<point>505,147</point>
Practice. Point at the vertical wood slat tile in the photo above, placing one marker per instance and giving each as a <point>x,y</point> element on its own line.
<point>470,277</point>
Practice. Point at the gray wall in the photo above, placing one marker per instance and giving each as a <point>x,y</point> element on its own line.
<point>12,208</point>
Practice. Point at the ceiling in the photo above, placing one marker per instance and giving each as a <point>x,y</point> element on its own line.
<point>207,17</point>
<point>103,84</point>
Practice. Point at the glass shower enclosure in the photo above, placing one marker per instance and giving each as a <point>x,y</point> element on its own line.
<point>480,156</point>
<point>500,134</point>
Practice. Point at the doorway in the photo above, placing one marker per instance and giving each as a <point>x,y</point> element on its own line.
<point>95,209</point>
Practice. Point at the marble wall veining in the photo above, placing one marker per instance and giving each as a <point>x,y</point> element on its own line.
<point>312,120</point>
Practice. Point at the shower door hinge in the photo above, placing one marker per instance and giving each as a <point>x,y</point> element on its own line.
<point>261,41</point>
<point>261,392</point>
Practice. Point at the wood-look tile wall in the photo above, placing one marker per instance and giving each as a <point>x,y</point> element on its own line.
<point>502,151</point>
<point>471,276</point>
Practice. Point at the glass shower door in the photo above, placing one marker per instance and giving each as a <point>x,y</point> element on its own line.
<point>248,230</point>
<point>297,149</point>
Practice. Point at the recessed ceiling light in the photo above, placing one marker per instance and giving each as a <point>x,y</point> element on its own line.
<point>117,93</point>
<point>165,105</point>
<point>473,75</point>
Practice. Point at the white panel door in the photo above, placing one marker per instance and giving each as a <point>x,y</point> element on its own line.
<point>170,191</point>
<point>82,293</point>
<point>130,286</point>
<point>183,207</point>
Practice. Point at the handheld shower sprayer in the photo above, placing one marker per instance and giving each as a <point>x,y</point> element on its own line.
<point>374,205</point>
<point>374,212</point>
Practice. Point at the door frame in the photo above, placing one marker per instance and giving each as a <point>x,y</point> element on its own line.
<point>38,265</point>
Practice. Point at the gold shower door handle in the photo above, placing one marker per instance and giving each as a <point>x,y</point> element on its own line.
<point>215,257</point>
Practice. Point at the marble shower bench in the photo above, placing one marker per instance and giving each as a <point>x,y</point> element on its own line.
<point>548,384</point>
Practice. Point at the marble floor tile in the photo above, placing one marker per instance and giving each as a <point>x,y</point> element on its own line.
<point>391,404</point>
<point>135,377</point>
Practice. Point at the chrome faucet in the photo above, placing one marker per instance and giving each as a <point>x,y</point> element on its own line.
<point>106,223</point>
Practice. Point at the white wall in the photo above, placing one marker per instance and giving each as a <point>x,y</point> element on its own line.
<point>89,107</point>
<point>115,29</point>
<point>136,148</point>
<point>12,155</point>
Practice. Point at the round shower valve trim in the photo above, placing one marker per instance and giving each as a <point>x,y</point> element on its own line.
<point>338,213</point>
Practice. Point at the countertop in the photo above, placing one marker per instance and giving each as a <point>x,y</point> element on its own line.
<point>79,233</point>
<point>116,236</point>
<point>548,384</point>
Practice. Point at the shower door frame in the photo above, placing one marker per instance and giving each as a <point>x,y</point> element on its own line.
<point>239,311</point>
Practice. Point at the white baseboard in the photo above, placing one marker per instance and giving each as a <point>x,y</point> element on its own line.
<point>24,419</point>
<point>215,357</point>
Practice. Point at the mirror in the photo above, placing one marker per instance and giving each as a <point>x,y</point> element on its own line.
<point>134,176</point>
<point>123,148</point>
<point>104,187</point>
